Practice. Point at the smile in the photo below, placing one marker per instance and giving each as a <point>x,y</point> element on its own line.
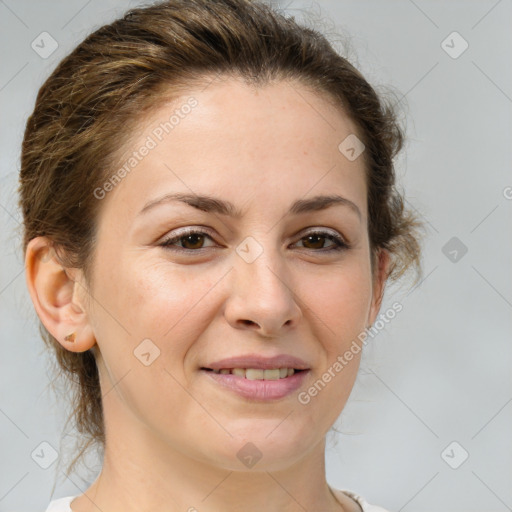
<point>258,373</point>
<point>258,384</point>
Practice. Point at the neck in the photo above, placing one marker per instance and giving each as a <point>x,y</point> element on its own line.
<point>151,475</point>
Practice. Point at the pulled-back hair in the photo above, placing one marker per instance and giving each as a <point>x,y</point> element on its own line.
<point>86,111</point>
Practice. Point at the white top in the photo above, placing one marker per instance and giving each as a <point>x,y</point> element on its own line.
<point>63,504</point>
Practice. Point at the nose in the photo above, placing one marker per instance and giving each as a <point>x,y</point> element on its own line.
<point>261,296</point>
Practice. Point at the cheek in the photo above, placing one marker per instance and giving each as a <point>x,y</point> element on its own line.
<point>340,300</point>
<point>157,302</point>
<point>169,304</point>
<point>135,300</point>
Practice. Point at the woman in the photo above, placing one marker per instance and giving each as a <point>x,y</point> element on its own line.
<point>210,220</point>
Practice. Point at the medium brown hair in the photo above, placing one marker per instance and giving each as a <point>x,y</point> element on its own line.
<point>86,110</point>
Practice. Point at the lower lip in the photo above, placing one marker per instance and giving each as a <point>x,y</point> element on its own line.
<point>260,390</point>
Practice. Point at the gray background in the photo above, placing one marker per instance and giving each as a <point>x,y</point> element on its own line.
<point>440,371</point>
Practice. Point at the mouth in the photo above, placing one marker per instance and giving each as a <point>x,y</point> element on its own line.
<point>257,384</point>
<point>258,378</point>
<point>257,373</point>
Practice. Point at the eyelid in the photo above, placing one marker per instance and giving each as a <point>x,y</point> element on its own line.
<point>335,236</point>
<point>317,229</point>
<point>189,230</point>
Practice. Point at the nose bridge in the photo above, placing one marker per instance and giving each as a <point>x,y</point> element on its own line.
<point>259,262</point>
<point>262,292</point>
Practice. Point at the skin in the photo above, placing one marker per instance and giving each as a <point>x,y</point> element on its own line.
<point>172,435</point>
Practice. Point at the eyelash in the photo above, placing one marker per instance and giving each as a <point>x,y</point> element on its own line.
<point>340,244</point>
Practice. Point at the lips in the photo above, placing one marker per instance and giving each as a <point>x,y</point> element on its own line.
<point>258,362</point>
<point>259,378</point>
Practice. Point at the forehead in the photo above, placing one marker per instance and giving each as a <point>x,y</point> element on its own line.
<point>227,138</point>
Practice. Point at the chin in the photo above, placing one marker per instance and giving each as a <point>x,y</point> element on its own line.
<point>260,448</point>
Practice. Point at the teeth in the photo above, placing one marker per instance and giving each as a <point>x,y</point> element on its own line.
<point>271,374</point>
<point>258,373</point>
<point>253,374</point>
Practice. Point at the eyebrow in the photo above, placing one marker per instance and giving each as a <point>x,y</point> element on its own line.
<point>211,204</point>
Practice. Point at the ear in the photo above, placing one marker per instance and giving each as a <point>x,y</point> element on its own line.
<point>379,282</point>
<point>57,294</point>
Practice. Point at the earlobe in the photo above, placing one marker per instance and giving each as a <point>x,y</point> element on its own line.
<point>379,283</point>
<point>53,290</point>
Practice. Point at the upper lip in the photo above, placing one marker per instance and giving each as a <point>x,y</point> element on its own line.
<point>259,362</point>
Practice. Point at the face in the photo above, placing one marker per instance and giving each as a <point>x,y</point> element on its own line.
<point>282,284</point>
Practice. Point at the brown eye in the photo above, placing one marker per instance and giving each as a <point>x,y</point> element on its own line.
<point>316,240</point>
<point>190,240</point>
<point>193,241</point>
